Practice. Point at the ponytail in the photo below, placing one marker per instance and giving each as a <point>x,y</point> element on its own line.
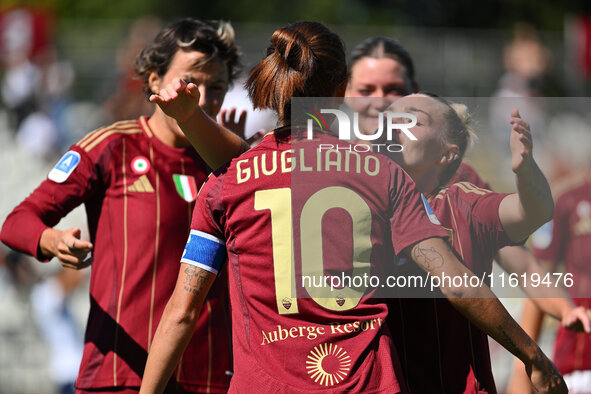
<point>305,59</point>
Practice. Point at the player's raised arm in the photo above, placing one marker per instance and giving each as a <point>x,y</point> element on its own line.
<point>215,143</point>
<point>176,326</point>
<point>481,306</point>
<point>522,213</point>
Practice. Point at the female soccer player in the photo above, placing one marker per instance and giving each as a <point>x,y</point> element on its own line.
<point>479,222</point>
<point>382,69</point>
<point>565,239</point>
<point>288,337</point>
<point>138,180</point>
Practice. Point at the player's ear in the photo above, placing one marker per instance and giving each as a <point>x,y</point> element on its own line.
<point>451,153</point>
<point>154,81</point>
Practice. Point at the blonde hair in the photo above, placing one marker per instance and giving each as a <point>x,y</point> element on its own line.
<point>459,131</point>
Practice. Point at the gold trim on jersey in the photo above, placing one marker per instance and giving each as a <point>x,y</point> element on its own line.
<point>468,187</point>
<point>439,195</point>
<point>455,225</point>
<point>123,170</point>
<point>93,139</point>
<point>156,250</point>
<point>146,127</point>
<point>94,133</point>
<point>141,185</point>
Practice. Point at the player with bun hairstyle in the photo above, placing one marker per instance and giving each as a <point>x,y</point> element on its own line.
<point>283,340</point>
<point>138,180</point>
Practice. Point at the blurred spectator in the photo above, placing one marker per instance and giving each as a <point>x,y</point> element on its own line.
<point>20,269</point>
<point>36,84</point>
<point>53,314</point>
<point>527,63</point>
<point>128,101</point>
<point>21,75</point>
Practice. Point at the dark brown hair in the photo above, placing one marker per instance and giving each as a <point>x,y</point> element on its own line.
<point>214,39</point>
<point>384,47</point>
<point>305,59</point>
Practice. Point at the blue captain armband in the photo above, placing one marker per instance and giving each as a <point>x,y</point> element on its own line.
<point>204,251</point>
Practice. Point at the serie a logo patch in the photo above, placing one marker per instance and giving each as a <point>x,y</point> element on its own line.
<point>429,210</point>
<point>64,167</point>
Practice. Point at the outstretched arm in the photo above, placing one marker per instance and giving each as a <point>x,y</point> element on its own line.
<point>176,326</point>
<point>553,300</point>
<point>216,144</point>
<point>531,321</point>
<point>481,306</point>
<point>522,213</point>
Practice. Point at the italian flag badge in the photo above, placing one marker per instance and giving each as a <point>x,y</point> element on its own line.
<point>185,186</point>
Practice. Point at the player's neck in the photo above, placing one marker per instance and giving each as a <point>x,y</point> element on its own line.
<point>426,183</point>
<point>164,127</point>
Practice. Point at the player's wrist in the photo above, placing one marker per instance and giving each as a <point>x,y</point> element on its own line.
<point>526,167</point>
<point>47,242</point>
<point>535,358</point>
<point>193,119</point>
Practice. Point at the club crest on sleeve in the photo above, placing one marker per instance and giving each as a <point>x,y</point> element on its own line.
<point>64,167</point>
<point>429,211</point>
<point>185,186</point>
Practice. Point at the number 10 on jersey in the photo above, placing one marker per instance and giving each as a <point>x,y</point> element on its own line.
<point>279,203</point>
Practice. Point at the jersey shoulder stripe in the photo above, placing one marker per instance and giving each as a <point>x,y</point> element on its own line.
<point>145,126</point>
<point>204,251</point>
<point>95,138</point>
<point>93,134</point>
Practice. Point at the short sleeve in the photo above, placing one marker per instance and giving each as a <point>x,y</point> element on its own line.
<point>486,223</point>
<point>206,246</point>
<point>208,213</point>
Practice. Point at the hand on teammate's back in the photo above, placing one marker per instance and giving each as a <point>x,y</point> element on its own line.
<point>577,319</point>
<point>67,246</point>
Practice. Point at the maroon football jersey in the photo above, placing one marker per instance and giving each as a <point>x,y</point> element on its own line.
<point>567,238</point>
<point>344,212</point>
<point>139,194</point>
<point>459,358</point>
